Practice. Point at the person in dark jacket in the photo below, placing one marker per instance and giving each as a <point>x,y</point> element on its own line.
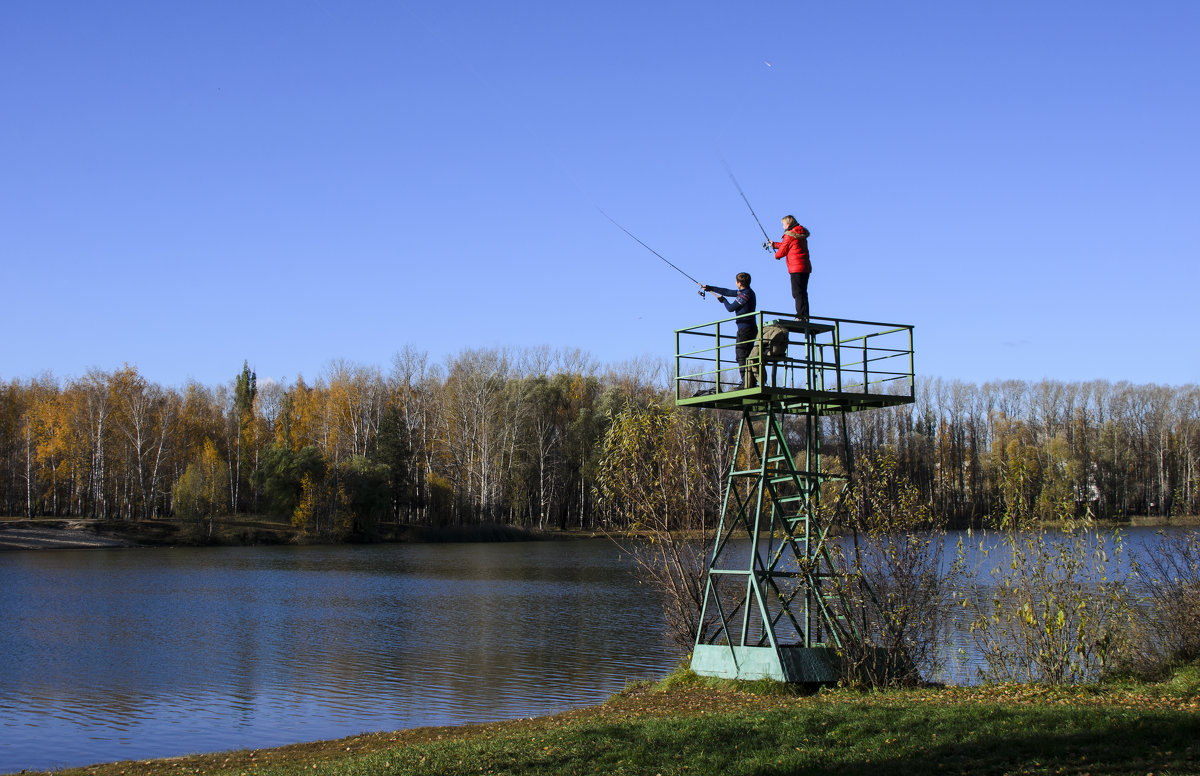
<point>742,304</point>
<point>794,246</point>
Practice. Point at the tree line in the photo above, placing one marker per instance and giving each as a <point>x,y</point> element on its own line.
<point>522,437</point>
<point>1043,449</point>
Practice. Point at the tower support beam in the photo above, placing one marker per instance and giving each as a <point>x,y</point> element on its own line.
<point>772,580</point>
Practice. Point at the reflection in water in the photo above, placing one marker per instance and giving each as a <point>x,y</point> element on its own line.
<point>116,654</point>
<point>119,654</point>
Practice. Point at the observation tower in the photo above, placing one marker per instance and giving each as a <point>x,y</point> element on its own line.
<point>772,581</point>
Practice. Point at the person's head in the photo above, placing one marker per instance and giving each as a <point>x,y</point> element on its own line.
<point>788,221</point>
<point>742,280</point>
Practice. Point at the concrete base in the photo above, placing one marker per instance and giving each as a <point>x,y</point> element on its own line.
<point>800,665</point>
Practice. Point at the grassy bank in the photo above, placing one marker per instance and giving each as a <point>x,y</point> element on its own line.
<point>686,725</point>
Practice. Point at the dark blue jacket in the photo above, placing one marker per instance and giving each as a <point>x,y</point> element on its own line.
<point>743,302</point>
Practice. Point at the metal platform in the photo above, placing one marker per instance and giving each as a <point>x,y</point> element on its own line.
<point>826,365</point>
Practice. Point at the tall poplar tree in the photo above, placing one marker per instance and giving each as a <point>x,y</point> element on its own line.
<point>245,389</point>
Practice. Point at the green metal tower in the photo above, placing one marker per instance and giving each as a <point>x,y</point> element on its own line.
<point>772,578</point>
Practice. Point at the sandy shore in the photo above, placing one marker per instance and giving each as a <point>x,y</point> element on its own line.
<point>65,536</point>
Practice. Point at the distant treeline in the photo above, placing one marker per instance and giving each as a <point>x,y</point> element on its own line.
<point>1100,449</point>
<point>527,438</point>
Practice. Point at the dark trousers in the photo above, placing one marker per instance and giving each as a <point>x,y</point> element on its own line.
<point>742,351</point>
<point>800,293</point>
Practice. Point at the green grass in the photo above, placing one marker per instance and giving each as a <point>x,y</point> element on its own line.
<point>688,725</point>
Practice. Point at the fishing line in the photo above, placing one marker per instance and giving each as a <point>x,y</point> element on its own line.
<point>647,247</point>
<point>739,191</point>
<point>489,83</point>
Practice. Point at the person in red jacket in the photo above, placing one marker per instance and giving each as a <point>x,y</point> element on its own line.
<point>794,246</point>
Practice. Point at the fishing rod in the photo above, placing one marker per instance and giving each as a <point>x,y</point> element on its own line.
<point>739,191</point>
<point>647,247</point>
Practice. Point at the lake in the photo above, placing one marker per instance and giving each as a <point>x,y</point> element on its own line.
<point>138,653</point>
<point>131,654</point>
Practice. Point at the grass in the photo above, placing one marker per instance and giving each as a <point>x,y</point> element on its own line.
<point>689,725</point>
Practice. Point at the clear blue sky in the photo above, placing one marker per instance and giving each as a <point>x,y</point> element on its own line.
<point>189,185</point>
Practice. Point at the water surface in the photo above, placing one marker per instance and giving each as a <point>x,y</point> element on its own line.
<point>130,654</point>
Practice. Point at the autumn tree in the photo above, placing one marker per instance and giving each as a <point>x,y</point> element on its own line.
<point>145,418</point>
<point>653,479</point>
<point>199,493</point>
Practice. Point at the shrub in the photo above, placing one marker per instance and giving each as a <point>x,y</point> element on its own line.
<point>1058,610</point>
<point>657,470</point>
<point>1168,625</point>
<point>892,592</point>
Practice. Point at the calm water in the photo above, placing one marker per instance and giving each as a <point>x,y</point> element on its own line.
<point>129,654</point>
<point>122,654</point>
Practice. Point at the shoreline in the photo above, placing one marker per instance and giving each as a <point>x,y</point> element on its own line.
<point>72,536</point>
<point>686,724</point>
<point>23,534</point>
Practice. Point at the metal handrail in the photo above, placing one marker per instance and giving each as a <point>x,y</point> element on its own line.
<point>819,359</point>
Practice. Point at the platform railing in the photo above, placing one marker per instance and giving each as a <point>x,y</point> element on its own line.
<point>830,356</point>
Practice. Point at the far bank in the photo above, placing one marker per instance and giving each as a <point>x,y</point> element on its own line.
<point>241,531</point>
<point>258,530</point>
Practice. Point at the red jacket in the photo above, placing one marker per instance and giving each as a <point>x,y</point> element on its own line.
<point>795,247</point>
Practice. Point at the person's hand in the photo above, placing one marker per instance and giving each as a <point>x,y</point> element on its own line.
<point>702,286</point>
<point>768,247</point>
<point>721,299</point>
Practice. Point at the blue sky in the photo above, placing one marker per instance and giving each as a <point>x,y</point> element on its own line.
<point>189,185</point>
